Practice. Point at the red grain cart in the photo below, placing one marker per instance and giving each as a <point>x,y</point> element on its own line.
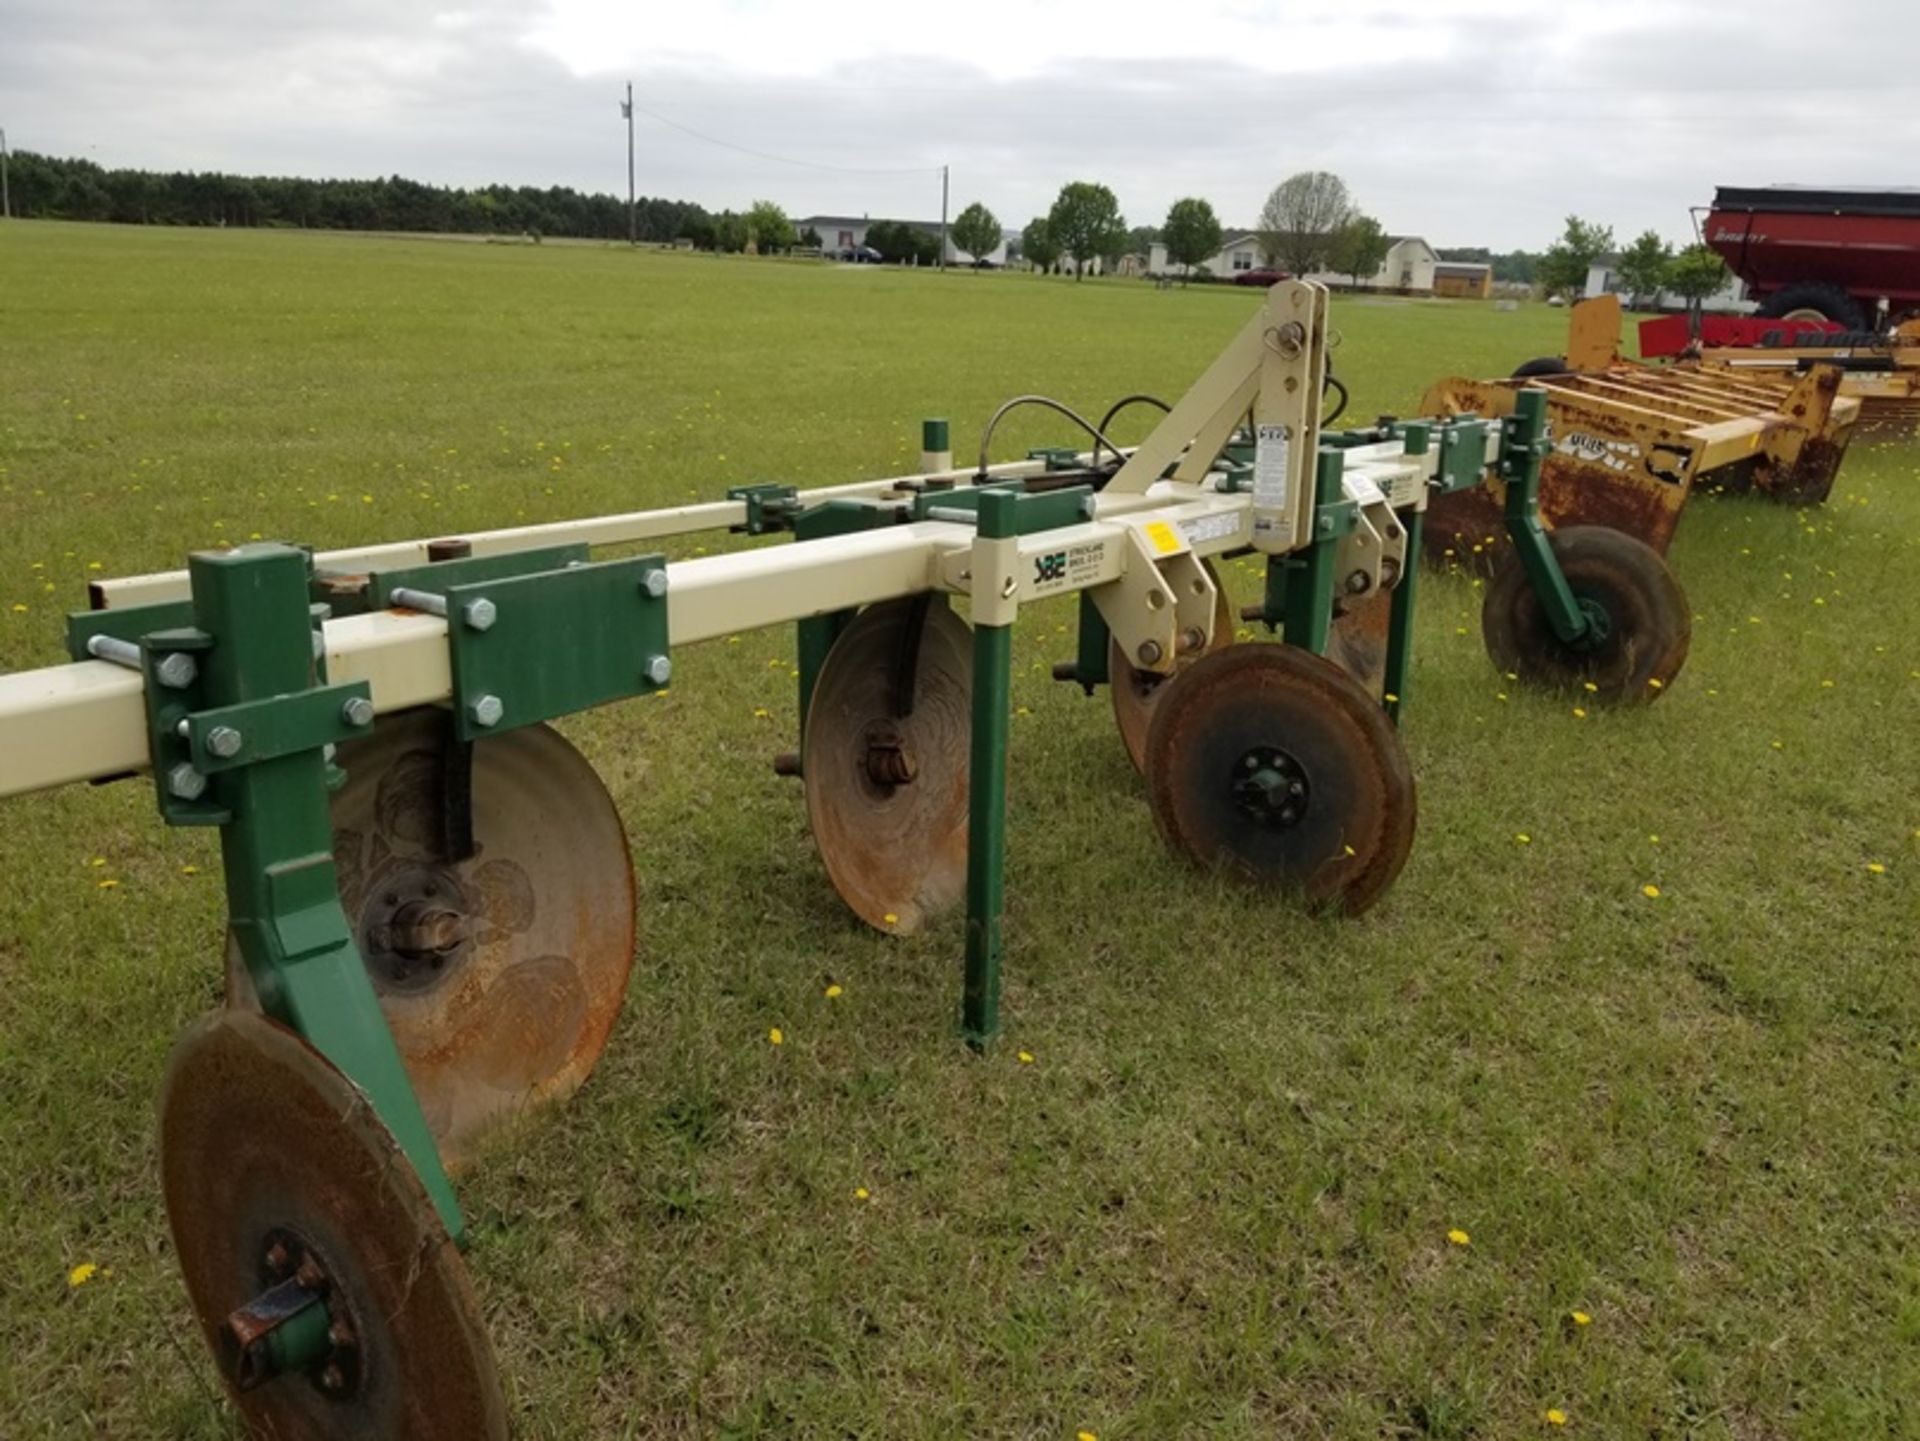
<point>1849,256</point>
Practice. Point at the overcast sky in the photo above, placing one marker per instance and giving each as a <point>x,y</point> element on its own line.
<point>1466,121</point>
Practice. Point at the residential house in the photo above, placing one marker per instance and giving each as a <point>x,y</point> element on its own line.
<point>844,232</point>
<point>1239,251</point>
<point>1603,278</point>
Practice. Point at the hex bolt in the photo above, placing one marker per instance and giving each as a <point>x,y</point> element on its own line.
<point>175,671</point>
<point>659,670</point>
<point>225,741</point>
<point>655,583</point>
<point>358,711</point>
<point>186,783</point>
<point>486,710</point>
<point>1149,652</point>
<point>1191,639</point>
<point>1358,582</point>
<point>479,614</point>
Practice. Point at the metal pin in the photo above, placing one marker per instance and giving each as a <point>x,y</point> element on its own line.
<point>421,600</point>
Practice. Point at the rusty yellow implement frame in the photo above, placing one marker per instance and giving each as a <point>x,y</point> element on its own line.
<point>1632,441</point>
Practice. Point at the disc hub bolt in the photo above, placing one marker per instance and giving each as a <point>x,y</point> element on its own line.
<point>889,762</point>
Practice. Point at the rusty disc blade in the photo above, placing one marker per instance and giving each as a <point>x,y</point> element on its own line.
<point>1648,626</point>
<point>501,975</point>
<point>1273,764</point>
<point>1358,640</point>
<point>885,758</point>
<point>262,1141</point>
<point>1134,691</point>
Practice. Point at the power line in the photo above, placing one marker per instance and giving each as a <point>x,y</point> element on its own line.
<point>781,159</point>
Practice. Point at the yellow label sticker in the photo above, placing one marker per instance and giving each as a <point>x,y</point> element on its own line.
<point>1163,538</point>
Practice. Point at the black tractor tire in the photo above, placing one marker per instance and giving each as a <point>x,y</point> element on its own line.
<point>1541,365</point>
<point>1819,297</point>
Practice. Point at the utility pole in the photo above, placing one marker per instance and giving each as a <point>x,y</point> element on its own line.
<point>633,225</point>
<point>943,217</point>
<point>6,196</point>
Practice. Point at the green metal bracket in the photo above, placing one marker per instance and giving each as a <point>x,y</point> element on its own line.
<point>770,507</point>
<point>127,624</point>
<point>438,576</point>
<point>1088,668</point>
<point>1048,510</point>
<point>1308,586</point>
<point>510,672</point>
<point>987,795</point>
<point>1057,457</point>
<point>1399,668</point>
<point>283,902</point>
<point>1523,448</point>
<point>1463,455</point>
<point>263,730</point>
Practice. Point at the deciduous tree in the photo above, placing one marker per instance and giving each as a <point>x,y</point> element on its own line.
<point>1191,234</point>
<point>1643,268</point>
<point>1301,218</point>
<point>1359,249</point>
<point>1563,269</point>
<point>1085,223</point>
<point>977,231</point>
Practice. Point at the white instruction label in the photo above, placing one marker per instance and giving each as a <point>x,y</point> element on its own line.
<point>1363,489</point>
<point>1203,529</point>
<point>1272,456</point>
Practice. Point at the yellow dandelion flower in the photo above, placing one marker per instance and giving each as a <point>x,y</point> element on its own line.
<point>1523,838</point>
<point>1876,868</point>
<point>1499,695</point>
<point>1777,745</point>
<point>1590,687</point>
<point>81,1274</point>
<point>1826,685</point>
<point>760,712</point>
<point>891,919</point>
<point>1026,1058</point>
<point>833,992</point>
<point>1652,893</point>
<point>1656,683</point>
<point>1022,710</point>
<point>1459,1237</point>
<point>776,1037</point>
<point>97,861</point>
<point>108,884</point>
<point>19,609</point>
<point>861,1193</point>
<point>1390,698</point>
<point>1579,713</point>
<point>1581,1318</point>
<point>1555,1416</point>
<point>189,870</point>
<point>1085,1436</point>
<point>1349,850</point>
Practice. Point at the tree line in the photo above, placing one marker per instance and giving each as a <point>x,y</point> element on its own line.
<point>45,187</point>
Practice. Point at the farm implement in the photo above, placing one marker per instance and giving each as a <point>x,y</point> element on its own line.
<point>430,899</point>
<point>1631,442</point>
<point>1881,371</point>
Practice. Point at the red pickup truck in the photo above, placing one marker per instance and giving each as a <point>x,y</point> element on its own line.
<point>1849,256</point>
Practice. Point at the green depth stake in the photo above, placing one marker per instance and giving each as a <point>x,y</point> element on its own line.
<point>987,797</point>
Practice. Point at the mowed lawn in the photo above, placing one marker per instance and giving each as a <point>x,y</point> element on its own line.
<point>1205,1185</point>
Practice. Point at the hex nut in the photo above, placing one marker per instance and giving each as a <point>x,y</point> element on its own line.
<point>224,741</point>
<point>487,710</point>
<point>358,711</point>
<point>479,614</point>
<point>186,783</point>
<point>659,670</point>
<point>176,671</point>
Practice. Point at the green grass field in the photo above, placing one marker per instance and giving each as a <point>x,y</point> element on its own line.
<point>1217,1200</point>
